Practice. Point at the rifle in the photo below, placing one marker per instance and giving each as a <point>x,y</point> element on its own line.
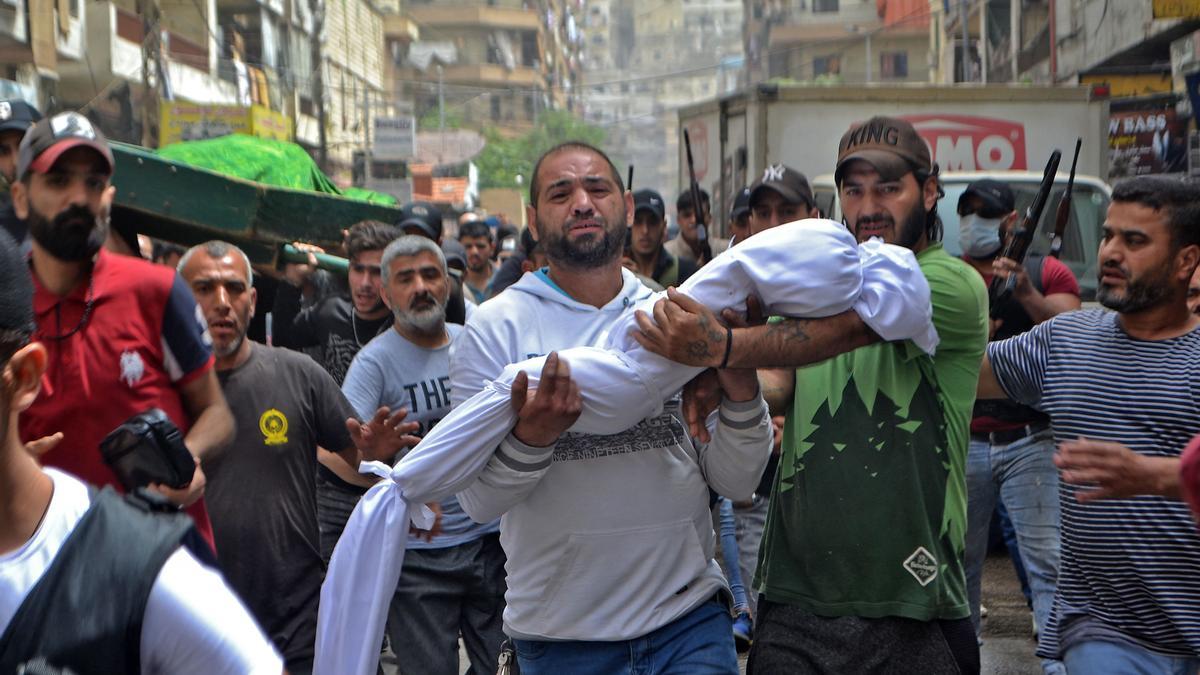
<point>1063,215</point>
<point>1022,236</point>
<point>629,230</point>
<point>697,207</point>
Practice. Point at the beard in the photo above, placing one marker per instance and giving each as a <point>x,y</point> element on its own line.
<point>430,319</point>
<point>589,251</point>
<point>1141,293</point>
<point>75,235</point>
<point>229,349</point>
<point>909,232</point>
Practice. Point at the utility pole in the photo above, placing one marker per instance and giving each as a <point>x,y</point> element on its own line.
<point>441,115</point>
<point>151,69</point>
<point>869,57</point>
<point>966,40</point>
<point>1014,38</point>
<point>366,125</point>
<point>983,42</point>
<point>318,80</point>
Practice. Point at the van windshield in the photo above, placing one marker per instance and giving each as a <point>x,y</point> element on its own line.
<point>1081,239</point>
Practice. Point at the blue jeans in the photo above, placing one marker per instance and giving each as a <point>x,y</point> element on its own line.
<point>730,557</point>
<point>750,522</point>
<point>1002,524</point>
<point>1022,475</point>
<point>699,642</point>
<point>1115,658</point>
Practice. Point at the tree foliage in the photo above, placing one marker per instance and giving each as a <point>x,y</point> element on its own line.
<point>503,159</point>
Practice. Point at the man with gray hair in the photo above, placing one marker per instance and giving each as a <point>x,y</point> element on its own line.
<point>262,489</point>
<point>452,582</point>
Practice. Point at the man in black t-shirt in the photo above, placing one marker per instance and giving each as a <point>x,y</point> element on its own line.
<point>260,490</point>
<point>338,325</point>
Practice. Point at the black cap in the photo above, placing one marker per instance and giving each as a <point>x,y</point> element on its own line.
<point>17,115</point>
<point>422,216</point>
<point>741,204</point>
<point>47,140</point>
<point>456,254</point>
<point>684,201</point>
<point>16,289</point>
<point>649,200</point>
<point>788,182</point>
<point>997,198</point>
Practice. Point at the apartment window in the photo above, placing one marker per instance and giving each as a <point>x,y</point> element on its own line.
<point>827,65</point>
<point>894,64</point>
<point>825,5</point>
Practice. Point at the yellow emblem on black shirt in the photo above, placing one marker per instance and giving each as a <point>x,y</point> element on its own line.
<point>273,425</point>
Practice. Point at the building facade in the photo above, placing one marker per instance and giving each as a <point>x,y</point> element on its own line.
<point>645,61</point>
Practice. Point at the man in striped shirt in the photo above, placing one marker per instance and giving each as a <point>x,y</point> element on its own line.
<point>1122,389</point>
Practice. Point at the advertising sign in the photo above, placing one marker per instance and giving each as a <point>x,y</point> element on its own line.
<point>971,143</point>
<point>395,138</point>
<point>1175,9</point>
<point>1146,141</point>
<point>182,121</point>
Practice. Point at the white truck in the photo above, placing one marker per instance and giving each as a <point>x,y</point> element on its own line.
<point>968,128</point>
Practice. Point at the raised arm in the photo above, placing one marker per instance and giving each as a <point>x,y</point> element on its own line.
<point>687,332</point>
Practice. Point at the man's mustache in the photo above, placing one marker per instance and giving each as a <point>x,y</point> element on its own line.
<point>422,300</point>
<point>75,214</point>
<point>881,218</point>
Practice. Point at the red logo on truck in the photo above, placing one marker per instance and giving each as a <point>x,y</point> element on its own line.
<point>970,143</point>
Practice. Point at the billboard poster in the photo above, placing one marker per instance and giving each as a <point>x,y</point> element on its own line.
<point>183,121</point>
<point>1146,141</point>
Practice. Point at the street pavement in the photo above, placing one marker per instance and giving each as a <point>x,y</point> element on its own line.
<point>1008,643</point>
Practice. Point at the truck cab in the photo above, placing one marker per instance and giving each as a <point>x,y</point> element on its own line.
<point>1081,240</point>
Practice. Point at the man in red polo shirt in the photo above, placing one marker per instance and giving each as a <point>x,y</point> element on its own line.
<point>123,335</point>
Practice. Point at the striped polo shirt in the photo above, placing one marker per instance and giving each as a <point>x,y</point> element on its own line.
<point>1130,568</point>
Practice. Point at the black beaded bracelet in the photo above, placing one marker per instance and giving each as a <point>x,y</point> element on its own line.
<point>728,346</point>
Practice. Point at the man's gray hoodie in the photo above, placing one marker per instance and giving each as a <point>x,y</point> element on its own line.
<point>607,537</point>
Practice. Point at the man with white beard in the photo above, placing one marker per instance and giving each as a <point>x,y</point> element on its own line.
<point>451,581</point>
<point>261,490</point>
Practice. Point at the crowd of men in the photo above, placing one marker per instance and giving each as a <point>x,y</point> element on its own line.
<point>851,482</point>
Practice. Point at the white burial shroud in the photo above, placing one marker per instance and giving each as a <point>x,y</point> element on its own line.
<point>809,268</point>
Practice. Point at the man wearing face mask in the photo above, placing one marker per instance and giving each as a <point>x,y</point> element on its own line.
<point>1011,448</point>
<point>123,335</point>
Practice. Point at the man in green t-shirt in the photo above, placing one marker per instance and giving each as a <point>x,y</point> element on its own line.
<point>861,564</point>
<point>862,557</point>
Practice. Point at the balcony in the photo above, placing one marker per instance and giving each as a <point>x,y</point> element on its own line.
<point>400,27</point>
<point>113,42</point>
<point>435,17</point>
<point>486,74</point>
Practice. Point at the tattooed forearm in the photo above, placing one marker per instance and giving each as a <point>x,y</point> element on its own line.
<point>789,330</point>
<point>796,342</point>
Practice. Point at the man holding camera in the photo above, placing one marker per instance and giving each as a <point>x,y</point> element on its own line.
<point>122,334</point>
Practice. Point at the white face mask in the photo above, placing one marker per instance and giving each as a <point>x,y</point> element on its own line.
<point>979,237</point>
